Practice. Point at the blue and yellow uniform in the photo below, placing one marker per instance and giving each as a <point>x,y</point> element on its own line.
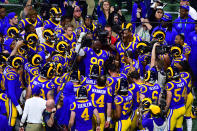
<point>13,91</point>
<point>4,111</point>
<point>59,30</point>
<point>186,49</point>
<point>121,50</point>
<point>126,102</point>
<point>30,72</point>
<point>63,59</point>
<point>70,40</point>
<point>111,82</point>
<point>88,81</point>
<point>136,100</point>
<point>151,91</point>
<point>51,23</point>
<point>177,60</point>
<point>190,98</point>
<point>84,113</point>
<point>45,85</point>
<point>177,107</point>
<point>128,67</point>
<point>57,81</point>
<point>92,58</point>
<point>37,24</point>
<point>85,29</point>
<point>100,96</point>
<point>46,47</point>
<point>2,87</point>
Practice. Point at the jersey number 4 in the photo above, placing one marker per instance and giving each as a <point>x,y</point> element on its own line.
<point>85,115</point>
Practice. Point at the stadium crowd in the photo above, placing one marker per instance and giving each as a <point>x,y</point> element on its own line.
<point>74,66</point>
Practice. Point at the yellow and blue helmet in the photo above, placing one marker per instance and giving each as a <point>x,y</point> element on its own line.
<point>49,35</point>
<point>34,59</point>
<point>31,38</point>
<point>122,87</point>
<point>81,93</point>
<point>12,32</point>
<point>61,46</point>
<point>160,35</point>
<point>151,75</point>
<point>172,72</point>
<point>47,71</point>
<point>15,61</point>
<point>176,50</point>
<point>55,12</point>
<point>127,26</point>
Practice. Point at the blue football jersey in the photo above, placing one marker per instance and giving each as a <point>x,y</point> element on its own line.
<point>151,91</point>
<point>92,58</point>
<point>178,89</point>
<point>37,24</point>
<point>70,40</point>
<point>84,113</point>
<point>45,85</point>
<point>100,96</point>
<point>51,23</point>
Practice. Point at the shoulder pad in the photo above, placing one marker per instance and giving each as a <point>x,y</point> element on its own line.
<point>58,81</point>
<point>50,85</point>
<point>73,106</point>
<point>169,86</point>
<point>34,71</point>
<point>118,100</point>
<point>109,81</point>
<point>11,75</point>
<point>143,89</point>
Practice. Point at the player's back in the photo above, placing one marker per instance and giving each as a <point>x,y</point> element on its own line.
<point>100,96</point>
<point>46,86</point>
<point>177,87</point>
<point>126,102</point>
<point>84,113</point>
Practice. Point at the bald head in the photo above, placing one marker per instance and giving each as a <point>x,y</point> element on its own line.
<point>50,104</point>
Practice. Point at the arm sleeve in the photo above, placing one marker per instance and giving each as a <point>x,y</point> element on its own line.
<point>11,92</point>
<point>26,108</point>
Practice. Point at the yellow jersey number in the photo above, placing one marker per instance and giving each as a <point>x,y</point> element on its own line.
<point>94,60</point>
<point>85,115</point>
<point>126,108</point>
<point>178,95</point>
<point>99,101</point>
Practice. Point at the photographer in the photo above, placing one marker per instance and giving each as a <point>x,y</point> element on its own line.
<point>49,116</point>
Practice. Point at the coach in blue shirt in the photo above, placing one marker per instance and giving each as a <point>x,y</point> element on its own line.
<point>184,28</point>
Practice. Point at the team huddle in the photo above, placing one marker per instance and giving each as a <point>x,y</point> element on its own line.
<point>128,85</point>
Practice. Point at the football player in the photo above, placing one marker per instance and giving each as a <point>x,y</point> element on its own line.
<point>13,87</point>
<point>55,17</point>
<point>176,98</point>
<point>123,101</point>
<point>33,19</point>
<point>102,98</point>
<point>82,111</point>
<point>44,82</point>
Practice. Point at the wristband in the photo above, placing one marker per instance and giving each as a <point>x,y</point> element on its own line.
<point>108,119</point>
<point>21,124</point>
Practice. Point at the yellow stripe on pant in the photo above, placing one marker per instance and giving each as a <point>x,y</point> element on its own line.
<point>11,112</point>
<point>175,118</point>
